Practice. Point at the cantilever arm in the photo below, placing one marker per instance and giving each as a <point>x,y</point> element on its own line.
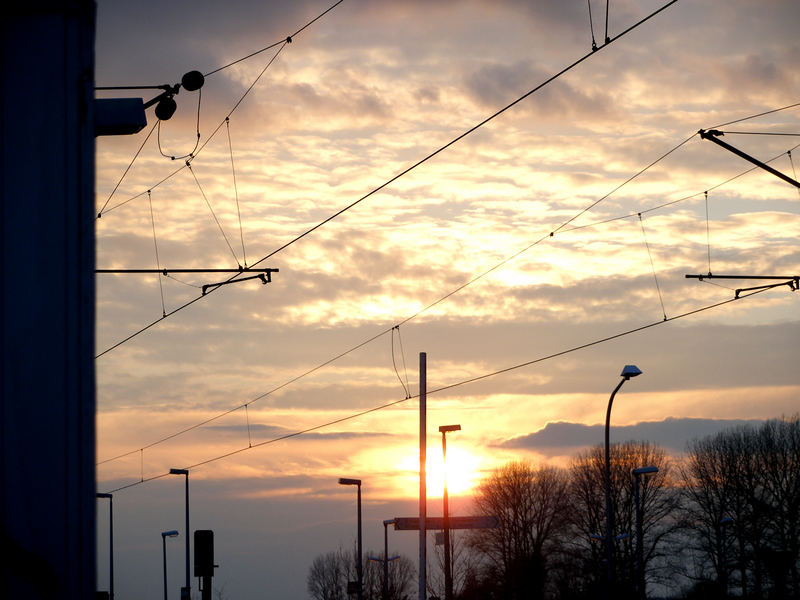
<point>712,135</point>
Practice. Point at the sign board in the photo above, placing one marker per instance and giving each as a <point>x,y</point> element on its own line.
<point>437,523</point>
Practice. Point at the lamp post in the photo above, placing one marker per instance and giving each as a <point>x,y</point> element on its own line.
<point>359,566</point>
<point>386,524</point>
<point>110,541</point>
<point>185,591</point>
<point>627,372</point>
<point>640,585</point>
<point>723,554</point>
<point>164,536</point>
<point>448,572</point>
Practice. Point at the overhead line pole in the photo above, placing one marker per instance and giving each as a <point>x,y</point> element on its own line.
<point>423,497</point>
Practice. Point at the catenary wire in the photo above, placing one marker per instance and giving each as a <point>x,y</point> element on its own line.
<point>676,201</point>
<point>213,214</point>
<point>235,189</point>
<point>128,168</point>
<point>281,43</point>
<point>401,174</point>
<point>441,299</point>
<point>768,112</point>
<point>197,139</point>
<point>653,266</point>
<point>155,244</point>
<point>760,133</point>
<point>273,45</point>
<point>444,388</point>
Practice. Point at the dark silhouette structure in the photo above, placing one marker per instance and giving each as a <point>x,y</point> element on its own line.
<point>47,506</point>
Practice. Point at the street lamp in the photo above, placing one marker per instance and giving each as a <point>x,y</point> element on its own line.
<point>164,536</point>
<point>627,372</point>
<point>640,585</point>
<point>448,573</point>
<point>359,566</point>
<point>185,591</point>
<point>723,554</point>
<point>110,541</point>
<point>386,524</point>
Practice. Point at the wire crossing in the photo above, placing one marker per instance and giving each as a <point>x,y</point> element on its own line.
<point>281,44</point>
<point>406,170</point>
<point>463,286</point>
<point>432,391</point>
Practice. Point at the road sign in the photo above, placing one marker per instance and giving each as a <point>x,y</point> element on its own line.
<point>434,523</point>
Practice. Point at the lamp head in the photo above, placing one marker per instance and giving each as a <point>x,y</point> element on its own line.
<point>449,428</point>
<point>630,371</point>
<point>103,495</point>
<point>179,471</point>
<point>389,522</point>
<point>170,533</point>
<point>346,481</point>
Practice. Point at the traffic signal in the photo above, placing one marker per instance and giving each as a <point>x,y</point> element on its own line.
<point>203,553</point>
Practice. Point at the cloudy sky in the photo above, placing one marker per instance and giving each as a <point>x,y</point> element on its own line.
<point>525,332</point>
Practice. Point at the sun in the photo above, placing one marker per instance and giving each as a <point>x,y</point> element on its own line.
<point>463,471</point>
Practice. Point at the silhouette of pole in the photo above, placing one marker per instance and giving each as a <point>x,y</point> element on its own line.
<point>110,542</point>
<point>627,372</point>
<point>164,536</point>
<point>423,494</point>
<point>386,523</point>
<point>448,570</point>
<point>359,565</point>
<point>185,592</point>
<point>640,585</point>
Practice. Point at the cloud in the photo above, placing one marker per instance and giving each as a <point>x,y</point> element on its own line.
<point>673,434</point>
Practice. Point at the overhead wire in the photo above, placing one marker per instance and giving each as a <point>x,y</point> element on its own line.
<point>443,388</point>
<point>761,114</point>
<point>455,291</point>
<point>128,168</point>
<point>197,140</point>
<point>213,214</point>
<point>653,266</point>
<point>155,244</point>
<point>236,189</point>
<point>403,172</point>
<point>278,43</point>
<point>281,43</point>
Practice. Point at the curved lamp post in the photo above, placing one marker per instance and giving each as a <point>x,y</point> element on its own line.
<point>359,566</point>
<point>640,585</point>
<point>627,372</point>
<point>164,536</point>
<point>185,592</point>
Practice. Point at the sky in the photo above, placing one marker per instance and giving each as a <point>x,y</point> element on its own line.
<point>525,332</point>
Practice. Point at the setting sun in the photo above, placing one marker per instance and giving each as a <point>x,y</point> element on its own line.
<point>463,470</point>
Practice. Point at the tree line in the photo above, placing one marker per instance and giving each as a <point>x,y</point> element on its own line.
<point>723,521</point>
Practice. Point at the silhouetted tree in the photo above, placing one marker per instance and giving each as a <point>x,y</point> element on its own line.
<point>462,559</point>
<point>743,508</point>
<point>328,576</point>
<point>401,582</point>
<point>330,572</point>
<point>588,517</point>
<point>531,504</point>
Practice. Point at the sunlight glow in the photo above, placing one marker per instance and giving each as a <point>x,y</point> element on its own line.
<point>463,470</point>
